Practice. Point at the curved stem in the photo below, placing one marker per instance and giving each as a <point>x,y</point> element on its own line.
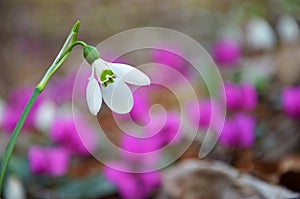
<point>58,61</point>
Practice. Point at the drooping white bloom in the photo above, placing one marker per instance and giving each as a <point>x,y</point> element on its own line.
<point>288,29</point>
<point>2,107</point>
<point>45,115</point>
<point>14,188</point>
<point>260,35</point>
<point>112,78</point>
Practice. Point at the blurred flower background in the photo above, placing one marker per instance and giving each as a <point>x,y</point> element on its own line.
<point>256,46</point>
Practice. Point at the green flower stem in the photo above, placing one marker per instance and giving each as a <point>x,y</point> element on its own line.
<point>63,54</point>
<point>15,135</point>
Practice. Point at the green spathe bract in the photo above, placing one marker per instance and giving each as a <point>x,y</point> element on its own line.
<point>90,53</point>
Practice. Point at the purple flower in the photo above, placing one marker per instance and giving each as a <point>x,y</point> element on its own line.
<point>143,152</point>
<point>132,185</point>
<point>238,131</point>
<point>170,56</point>
<point>140,111</point>
<point>200,113</point>
<point>240,97</point>
<point>49,161</point>
<point>64,132</point>
<point>66,85</point>
<point>161,131</point>
<point>165,129</point>
<point>291,101</point>
<point>249,96</point>
<point>16,102</point>
<point>226,53</point>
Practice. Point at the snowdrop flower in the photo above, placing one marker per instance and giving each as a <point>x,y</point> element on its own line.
<point>14,188</point>
<point>2,108</point>
<point>260,35</point>
<point>112,78</point>
<point>45,115</point>
<point>288,29</point>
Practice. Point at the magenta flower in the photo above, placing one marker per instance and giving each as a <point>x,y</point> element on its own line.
<point>290,98</point>
<point>143,152</point>
<point>141,107</point>
<point>140,111</point>
<point>226,53</point>
<point>165,130</point>
<point>16,102</point>
<point>139,144</point>
<point>238,131</point>
<point>66,85</point>
<point>170,57</point>
<point>200,113</point>
<point>49,161</point>
<point>64,132</point>
<point>240,97</point>
<point>250,97</point>
<point>166,56</point>
<point>132,185</point>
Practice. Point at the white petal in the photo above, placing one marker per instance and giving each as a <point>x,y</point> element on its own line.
<point>2,107</point>
<point>260,35</point>
<point>288,29</point>
<point>93,96</point>
<point>100,65</point>
<point>118,97</point>
<point>45,115</point>
<point>130,74</point>
<point>14,188</point>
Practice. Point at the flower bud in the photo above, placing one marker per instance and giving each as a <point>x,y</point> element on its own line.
<point>90,54</point>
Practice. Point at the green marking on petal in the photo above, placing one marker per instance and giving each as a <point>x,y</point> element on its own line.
<point>107,77</point>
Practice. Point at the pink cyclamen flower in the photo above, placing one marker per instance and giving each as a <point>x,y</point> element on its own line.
<point>66,85</point>
<point>165,128</point>
<point>132,185</point>
<point>291,101</point>
<point>200,113</point>
<point>79,139</point>
<point>143,152</point>
<point>162,130</point>
<point>169,56</point>
<point>226,53</point>
<point>240,97</point>
<point>16,102</point>
<point>250,97</point>
<point>49,161</point>
<point>238,131</point>
<point>140,110</point>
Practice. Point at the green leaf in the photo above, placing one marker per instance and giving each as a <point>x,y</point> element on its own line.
<point>92,186</point>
